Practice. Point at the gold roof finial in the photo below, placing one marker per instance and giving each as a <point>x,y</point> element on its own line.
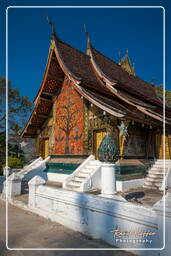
<point>152,81</point>
<point>119,56</point>
<point>85,30</point>
<point>127,52</point>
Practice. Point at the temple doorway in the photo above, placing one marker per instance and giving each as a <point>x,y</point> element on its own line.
<point>45,148</point>
<point>98,137</point>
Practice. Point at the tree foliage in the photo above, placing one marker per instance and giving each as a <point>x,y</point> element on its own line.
<point>19,108</point>
<point>159,91</point>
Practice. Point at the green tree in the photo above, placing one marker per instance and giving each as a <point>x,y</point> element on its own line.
<point>159,91</point>
<point>19,108</point>
<point>2,150</point>
<point>15,134</point>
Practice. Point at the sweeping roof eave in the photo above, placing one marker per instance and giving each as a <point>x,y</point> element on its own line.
<point>104,101</point>
<point>78,65</point>
<point>45,74</point>
<point>114,73</point>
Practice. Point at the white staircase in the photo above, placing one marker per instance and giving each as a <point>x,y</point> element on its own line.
<point>155,177</point>
<point>86,177</point>
<point>39,164</point>
<point>29,171</point>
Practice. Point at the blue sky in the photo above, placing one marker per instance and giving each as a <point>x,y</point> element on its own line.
<point>111,30</point>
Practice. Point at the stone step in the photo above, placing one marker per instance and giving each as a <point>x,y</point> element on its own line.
<point>74,183</point>
<point>156,172</point>
<point>88,171</point>
<point>82,175</point>
<point>77,178</point>
<point>153,180</point>
<point>88,167</point>
<point>151,184</point>
<point>155,176</point>
<point>162,160</point>
<point>159,167</point>
<point>92,166</point>
<point>163,164</point>
<point>95,162</point>
<point>71,187</point>
<point>149,187</point>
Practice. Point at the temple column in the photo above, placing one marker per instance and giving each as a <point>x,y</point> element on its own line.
<point>122,136</point>
<point>52,134</point>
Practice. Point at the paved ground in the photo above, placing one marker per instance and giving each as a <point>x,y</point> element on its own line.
<point>29,230</point>
<point>143,196</point>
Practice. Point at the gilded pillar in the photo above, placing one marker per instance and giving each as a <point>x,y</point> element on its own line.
<point>123,132</point>
<point>52,134</point>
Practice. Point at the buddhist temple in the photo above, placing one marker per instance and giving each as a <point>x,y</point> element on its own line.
<point>84,96</point>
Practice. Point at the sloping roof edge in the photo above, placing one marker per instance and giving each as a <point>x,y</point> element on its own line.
<point>117,82</point>
<point>45,73</point>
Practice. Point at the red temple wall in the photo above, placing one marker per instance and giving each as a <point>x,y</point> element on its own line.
<point>69,121</point>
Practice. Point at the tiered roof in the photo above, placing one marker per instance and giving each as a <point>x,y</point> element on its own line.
<point>100,80</point>
<point>132,84</point>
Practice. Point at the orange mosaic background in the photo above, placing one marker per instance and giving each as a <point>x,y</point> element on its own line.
<point>69,121</point>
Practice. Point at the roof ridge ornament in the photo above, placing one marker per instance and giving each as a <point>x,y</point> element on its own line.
<point>152,82</point>
<point>86,32</point>
<point>119,57</point>
<point>88,40</point>
<point>127,64</point>
<point>52,26</point>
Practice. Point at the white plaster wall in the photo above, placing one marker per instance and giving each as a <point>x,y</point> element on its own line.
<point>128,184</point>
<point>14,188</point>
<point>57,177</point>
<point>97,216</point>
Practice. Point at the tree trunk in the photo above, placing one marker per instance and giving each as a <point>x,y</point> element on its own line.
<point>67,143</point>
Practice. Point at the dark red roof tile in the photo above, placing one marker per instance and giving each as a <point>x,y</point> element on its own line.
<point>78,64</point>
<point>128,82</point>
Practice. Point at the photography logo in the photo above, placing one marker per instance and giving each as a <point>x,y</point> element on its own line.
<point>133,236</point>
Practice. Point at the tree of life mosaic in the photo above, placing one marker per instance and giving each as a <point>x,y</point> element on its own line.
<point>69,122</point>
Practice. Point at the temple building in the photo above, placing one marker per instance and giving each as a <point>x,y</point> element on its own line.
<point>84,96</point>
